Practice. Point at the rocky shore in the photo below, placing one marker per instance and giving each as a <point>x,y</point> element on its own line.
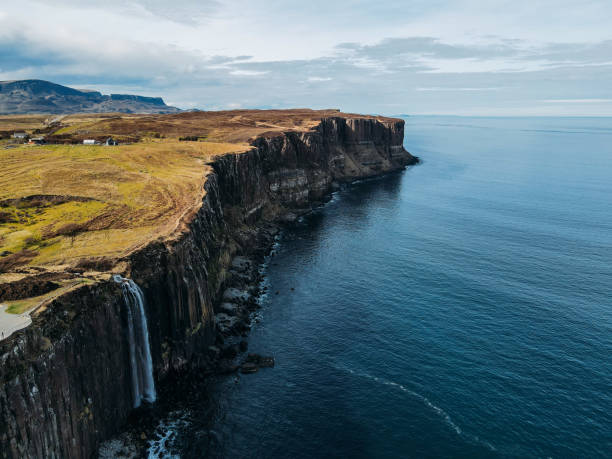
<point>65,379</point>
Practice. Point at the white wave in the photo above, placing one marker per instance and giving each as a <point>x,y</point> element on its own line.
<point>435,408</point>
<point>168,430</point>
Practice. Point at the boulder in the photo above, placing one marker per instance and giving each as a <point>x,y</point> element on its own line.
<point>233,295</point>
<point>214,352</point>
<point>230,352</point>
<point>260,361</point>
<point>241,264</point>
<point>225,323</point>
<point>266,362</point>
<point>288,217</point>
<point>248,367</point>
<point>231,309</point>
<point>226,367</point>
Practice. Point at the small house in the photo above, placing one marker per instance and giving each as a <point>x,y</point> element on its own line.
<point>89,142</point>
<point>37,140</point>
<point>20,135</point>
<point>110,141</point>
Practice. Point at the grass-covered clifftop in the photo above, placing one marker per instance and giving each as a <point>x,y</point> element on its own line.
<point>65,206</point>
<point>62,204</point>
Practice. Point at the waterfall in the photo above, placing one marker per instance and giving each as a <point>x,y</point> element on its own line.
<point>143,385</point>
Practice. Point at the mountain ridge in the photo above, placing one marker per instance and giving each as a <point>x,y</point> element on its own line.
<point>40,96</point>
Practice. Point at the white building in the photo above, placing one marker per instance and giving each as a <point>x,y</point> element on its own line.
<point>89,142</point>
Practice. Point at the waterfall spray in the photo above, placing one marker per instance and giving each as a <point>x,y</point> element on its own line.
<point>143,385</point>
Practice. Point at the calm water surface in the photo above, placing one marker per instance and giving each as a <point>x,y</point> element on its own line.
<point>461,308</point>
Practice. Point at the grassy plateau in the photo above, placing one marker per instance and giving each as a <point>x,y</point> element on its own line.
<point>65,206</point>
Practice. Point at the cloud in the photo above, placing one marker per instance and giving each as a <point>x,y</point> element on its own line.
<point>248,72</point>
<point>357,56</point>
<point>18,52</point>
<point>501,55</point>
<point>457,89</point>
<point>430,47</point>
<point>577,101</point>
<point>189,12</point>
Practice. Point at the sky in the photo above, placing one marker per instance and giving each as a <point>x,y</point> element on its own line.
<point>453,57</point>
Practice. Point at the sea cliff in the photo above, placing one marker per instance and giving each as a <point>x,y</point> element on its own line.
<point>66,378</point>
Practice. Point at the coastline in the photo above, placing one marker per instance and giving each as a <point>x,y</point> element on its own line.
<point>148,429</point>
<point>185,283</point>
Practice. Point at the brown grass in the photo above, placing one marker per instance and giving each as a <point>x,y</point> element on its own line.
<point>14,260</point>
<point>236,126</point>
<point>75,204</point>
<point>23,122</point>
<point>101,201</point>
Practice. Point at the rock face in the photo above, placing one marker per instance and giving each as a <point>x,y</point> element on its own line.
<point>66,379</point>
<point>38,96</point>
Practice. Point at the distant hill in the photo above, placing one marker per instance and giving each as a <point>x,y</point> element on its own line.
<point>38,96</point>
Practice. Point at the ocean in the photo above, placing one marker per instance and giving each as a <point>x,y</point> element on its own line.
<point>461,308</point>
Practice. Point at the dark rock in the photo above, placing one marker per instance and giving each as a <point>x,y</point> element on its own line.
<point>289,217</point>
<point>255,361</point>
<point>226,324</point>
<point>214,352</point>
<point>234,295</point>
<point>241,264</point>
<point>231,309</point>
<point>226,367</point>
<point>249,368</point>
<point>230,352</point>
<point>266,362</point>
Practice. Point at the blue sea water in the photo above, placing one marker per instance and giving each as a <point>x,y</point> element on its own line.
<point>462,308</point>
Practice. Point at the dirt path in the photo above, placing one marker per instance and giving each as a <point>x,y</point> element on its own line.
<point>10,323</point>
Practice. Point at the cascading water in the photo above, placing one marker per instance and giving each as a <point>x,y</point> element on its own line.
<point>143,385</point>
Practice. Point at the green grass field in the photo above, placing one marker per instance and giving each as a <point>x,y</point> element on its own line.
<point>114,199</point>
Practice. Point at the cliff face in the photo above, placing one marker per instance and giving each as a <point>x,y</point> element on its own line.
<point>66,379</point>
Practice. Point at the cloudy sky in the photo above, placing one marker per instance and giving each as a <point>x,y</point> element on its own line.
<point>464,57</point>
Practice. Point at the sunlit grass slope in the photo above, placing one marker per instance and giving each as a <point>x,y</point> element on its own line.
<point>74,204</point>
<point>61,204</point>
